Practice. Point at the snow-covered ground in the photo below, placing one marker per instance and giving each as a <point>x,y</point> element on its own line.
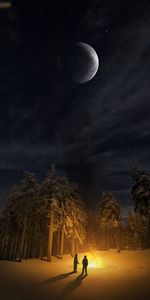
<point>111,275</point>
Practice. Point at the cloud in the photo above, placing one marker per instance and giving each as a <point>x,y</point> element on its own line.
<point>92,131</point>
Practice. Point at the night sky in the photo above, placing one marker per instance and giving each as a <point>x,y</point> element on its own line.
<point>92,131</point>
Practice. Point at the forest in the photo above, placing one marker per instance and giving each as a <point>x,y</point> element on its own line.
<point>46,219</point>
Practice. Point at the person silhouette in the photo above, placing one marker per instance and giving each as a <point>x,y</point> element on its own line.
<point>75,263</point>
<point>84,265</point>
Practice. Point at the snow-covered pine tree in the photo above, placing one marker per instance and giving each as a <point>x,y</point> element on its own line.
<point>141,199</point>
<point>109,221</point>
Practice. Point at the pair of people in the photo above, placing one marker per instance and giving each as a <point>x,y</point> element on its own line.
<point>84,264</point>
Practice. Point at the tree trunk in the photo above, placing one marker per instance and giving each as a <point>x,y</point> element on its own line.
<point>28,249</point>
<point>5,249</point>
<point>62,240</point>
<point>108,240</point>
<point>73,241</point>
<point>11,248</point>
<point>117,239</point>
<point>30,244</point>
<point>58,243</point>
<point>41,249</point>
<point>76,246</point>
<point>149,231</point>
<point>50,235</point>
<point>25,249</point>
<point>23,238</point>
<point>16,245</point>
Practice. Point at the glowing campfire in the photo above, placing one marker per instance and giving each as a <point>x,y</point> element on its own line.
<point>95,261</point>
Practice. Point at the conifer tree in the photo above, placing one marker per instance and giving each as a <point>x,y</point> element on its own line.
<point>109,220</point>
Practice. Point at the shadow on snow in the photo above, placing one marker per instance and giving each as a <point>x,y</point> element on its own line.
<point>56,278</point>
<point>71,287</point>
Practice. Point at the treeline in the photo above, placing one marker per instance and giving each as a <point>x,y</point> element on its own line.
<point>111,231</point>
<point>49,218</point>
<point>40,220</point>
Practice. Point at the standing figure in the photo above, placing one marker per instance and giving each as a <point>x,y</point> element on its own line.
<point>85,264</point>
<point>75,263</point>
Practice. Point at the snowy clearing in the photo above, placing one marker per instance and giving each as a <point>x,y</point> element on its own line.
<point>111,275</point>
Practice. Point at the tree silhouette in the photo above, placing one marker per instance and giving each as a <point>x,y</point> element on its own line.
<point>141,198</point>
<point>109,220</point>
<point>50,193</point>
<point>66,211</point>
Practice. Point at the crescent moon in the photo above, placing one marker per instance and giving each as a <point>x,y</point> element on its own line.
<point>88,65</point>
<point>80,62</point>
